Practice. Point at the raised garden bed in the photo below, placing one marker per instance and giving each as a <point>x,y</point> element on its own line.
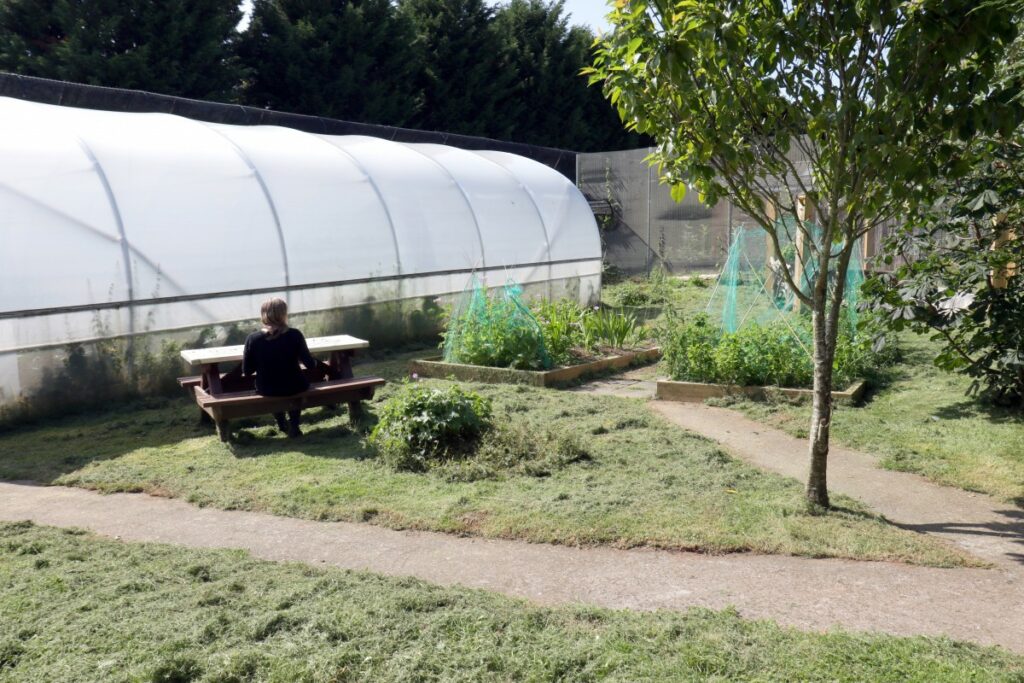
<point>437,368</point>
<point>697,392</point>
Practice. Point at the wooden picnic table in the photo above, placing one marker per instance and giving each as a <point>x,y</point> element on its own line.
<point>225,396</point>
<point>342,348</point>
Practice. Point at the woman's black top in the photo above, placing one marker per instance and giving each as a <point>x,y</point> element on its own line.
<point>275,360</point>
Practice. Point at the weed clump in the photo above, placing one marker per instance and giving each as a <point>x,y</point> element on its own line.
<point>425,425</point>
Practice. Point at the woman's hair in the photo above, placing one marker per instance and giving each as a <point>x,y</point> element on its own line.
<point>274,313</point>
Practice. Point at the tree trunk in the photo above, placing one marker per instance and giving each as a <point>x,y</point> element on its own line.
<point>821,408</point>
<point>825,317</point>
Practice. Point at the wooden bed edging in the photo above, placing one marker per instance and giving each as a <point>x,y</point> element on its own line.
<point>697,392</point>
<point>437,368</point>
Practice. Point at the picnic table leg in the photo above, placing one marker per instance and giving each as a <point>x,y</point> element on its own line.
<point>222,430</point>
<point>341,362</point>
<point>210,382</point>
<point>211,379</point>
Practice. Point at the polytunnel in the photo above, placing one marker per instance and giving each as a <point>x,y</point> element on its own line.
<point>122,224</point>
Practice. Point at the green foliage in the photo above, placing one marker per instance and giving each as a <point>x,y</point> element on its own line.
<point>179,48</point>
<point>657,289</point>
<point>465,76</point>
<point>548,102</point>
<point>870,93</point>
<point>423,425</point>
<point>773,354</point>
<point>957,274</point>
<point>561,323</point>
<point>603,327</point>
<point>494,329</point>
<point>729,89</point>
<point>348,59</point>
<point>457,66</point>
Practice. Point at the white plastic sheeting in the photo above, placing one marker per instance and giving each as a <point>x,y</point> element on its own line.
<point>122,223</point>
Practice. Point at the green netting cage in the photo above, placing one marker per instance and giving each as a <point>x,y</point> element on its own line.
<point>752,288</point>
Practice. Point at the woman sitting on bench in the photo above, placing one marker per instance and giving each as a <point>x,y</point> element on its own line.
<point>273,354</point>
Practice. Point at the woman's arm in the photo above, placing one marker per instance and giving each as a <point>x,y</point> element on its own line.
<point>248,358</point>
<point>304,355</point>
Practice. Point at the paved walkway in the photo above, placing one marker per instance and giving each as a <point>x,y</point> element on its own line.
<point>984,606</point>
<point>981,525</point>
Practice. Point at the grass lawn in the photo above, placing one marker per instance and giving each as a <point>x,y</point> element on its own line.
<point>645,482</point>
<point>76,607</point>
<point>921,421</point>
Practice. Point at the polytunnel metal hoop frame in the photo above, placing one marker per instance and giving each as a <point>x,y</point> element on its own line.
<point>266,195</point>
<point>376,190</point>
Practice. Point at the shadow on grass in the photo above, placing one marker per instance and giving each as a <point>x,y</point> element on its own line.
<point>969,408</point>
<point>46,450</point>
<point>1012,530</point>
<point>340,441</point>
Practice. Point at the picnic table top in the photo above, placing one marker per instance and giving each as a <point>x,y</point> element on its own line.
<point>226,354</point>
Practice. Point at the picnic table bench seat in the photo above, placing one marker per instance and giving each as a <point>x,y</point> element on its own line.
<point>235,404</point>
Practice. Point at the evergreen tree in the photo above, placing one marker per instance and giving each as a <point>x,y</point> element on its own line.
<point>347,59</point>
<point>180,48</point>
<point>555,105</point>
<point>466,80</point>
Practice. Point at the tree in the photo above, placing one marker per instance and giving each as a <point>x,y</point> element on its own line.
<point>870,92</point>
<point>465,78</point>
<point>554,104</point>
<point>178,48</point>
<point>957,273</point>
<point>347,59</point>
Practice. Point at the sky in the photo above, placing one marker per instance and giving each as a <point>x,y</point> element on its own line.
<point>589,12</point>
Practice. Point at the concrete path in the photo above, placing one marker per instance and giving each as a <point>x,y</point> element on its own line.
<point>983,606</point>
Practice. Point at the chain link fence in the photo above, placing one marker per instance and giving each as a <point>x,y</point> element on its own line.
<point>643,228</point>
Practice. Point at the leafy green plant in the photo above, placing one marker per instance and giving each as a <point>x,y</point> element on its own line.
<point>499,330</point>
<point>495,330</point>
<point>774,354</point>
<point>608,328</point>
<point>957,274</point>
<point>561,323</point>
<point>423,425</point>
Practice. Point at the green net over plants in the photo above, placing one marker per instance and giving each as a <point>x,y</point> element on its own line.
<point>754,330</point>
<point>752,288</point>
<point>494,328</point>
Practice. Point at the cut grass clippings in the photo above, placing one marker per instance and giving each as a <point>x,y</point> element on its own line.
<point>644,482</point>
<point>76,607</point>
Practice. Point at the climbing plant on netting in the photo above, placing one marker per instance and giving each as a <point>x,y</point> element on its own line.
<point>752,287</point>
<point>494,328</point>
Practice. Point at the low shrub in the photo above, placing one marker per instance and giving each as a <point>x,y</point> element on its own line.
<point>423,425</point>
<point>773,354</point>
